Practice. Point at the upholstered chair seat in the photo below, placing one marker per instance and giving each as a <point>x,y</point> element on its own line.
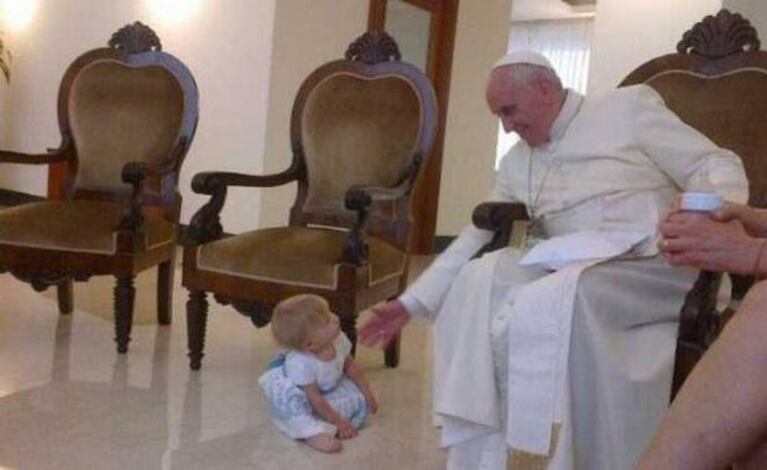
<point>78,226</point>
<point>298,256</point>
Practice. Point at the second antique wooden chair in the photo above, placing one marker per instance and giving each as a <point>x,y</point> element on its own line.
<point>361,129</point>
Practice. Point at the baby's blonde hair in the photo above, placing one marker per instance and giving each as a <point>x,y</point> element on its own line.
<point>294,319</point>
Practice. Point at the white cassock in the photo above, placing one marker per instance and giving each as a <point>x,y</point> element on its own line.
<point>570,370</point>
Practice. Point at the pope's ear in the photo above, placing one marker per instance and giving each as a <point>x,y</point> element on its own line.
<point>547,89</point>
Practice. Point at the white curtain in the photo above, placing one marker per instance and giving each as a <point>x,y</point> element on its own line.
<point>567,45</point>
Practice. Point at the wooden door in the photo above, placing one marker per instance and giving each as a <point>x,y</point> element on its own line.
<point>425,33</point>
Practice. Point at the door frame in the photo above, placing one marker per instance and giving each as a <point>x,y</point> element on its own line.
<point>444,16</point>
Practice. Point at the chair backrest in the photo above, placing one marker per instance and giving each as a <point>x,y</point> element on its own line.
<point>717,83</point>
<point>129,102</point>
<point>368,119</point>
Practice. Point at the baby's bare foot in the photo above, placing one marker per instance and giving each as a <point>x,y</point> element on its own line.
<point>324,443</point>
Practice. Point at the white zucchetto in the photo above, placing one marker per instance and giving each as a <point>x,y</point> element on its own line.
<point>524,57</point>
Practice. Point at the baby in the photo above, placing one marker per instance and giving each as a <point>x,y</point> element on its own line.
<point>315,390</point>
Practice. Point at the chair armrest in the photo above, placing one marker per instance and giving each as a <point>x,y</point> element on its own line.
<point>699,325</point>
<point>498,217</point>
<point>698,319</point>
<point>359,199</point>
<point>51,156</point>
<point>31,159</point>
<point>135,173</point>
<point>205,224</point>
<point>209,182</point>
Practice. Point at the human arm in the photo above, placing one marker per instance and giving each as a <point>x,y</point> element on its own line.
<point>326,412</point>
<point>356,375</point>
<point>692,240</point>
<point>731,240</point>
<point>424,297</point>
<point>685,155</point>
<point>754,219</point>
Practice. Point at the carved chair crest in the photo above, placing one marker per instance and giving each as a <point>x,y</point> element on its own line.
<point>373,47</point>
<point>135,38</point>
<point>719,36</point>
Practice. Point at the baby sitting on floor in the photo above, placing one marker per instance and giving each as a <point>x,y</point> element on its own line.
<point>315,390</point>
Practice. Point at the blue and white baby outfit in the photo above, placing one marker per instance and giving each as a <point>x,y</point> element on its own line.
<point>290,408</point>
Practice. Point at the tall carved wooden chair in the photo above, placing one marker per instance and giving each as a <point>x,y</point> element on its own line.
<point>717,83</point>
<point>127,115</point>
<point>361,128</point>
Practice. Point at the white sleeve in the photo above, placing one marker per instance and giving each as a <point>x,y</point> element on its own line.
<point>684,154</point>
<point>424,297</point>
<point>300,369</point>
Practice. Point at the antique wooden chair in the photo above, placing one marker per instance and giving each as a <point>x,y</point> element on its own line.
<point>717,83</point>
<point>361,128</point>
<point>127,115</point>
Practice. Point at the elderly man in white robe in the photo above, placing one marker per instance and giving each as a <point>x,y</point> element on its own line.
<point>564,366</point>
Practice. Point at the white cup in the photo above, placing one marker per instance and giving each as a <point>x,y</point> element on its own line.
<point>701,202</point>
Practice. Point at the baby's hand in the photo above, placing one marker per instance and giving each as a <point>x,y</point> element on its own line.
<point>345,429</point>
<point>372,399</point>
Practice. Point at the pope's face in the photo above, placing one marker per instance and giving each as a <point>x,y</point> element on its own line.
<point>523,108</point>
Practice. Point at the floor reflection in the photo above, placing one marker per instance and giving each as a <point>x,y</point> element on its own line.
<point>68,402</point>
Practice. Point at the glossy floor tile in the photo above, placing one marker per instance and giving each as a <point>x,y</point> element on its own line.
<point>68,401</point>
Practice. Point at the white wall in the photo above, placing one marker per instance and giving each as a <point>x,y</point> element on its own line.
<point>227,49</point>
<point>627,33</point>
<point>753,10</point>
<point>41,52</point>
<point>307,33</point>
<point>744,7</point>
<point>471,135</point>
<point>758,17</point>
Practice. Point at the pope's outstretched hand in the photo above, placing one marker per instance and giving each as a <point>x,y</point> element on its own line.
<point>387,319</point>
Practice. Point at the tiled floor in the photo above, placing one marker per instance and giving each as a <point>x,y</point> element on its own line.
<point>68,401</point>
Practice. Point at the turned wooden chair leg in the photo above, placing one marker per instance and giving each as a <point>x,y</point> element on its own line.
<point>391,353</point>
<point>65,292</point>
<point>196,323</point>
<point>165,274</point>
<point>125,295</point>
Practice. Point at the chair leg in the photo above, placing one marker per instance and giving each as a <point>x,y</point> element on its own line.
<point>349,327</point>
<point>66,297</point>
<point>125,294</point>
<point>196,323</point>
<point>165,273</point>
<point>391,353</point>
